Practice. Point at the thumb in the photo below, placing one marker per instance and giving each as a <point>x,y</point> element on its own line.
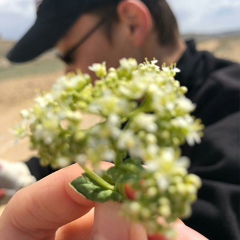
<point>109,224</point>
<point>37,211</point>
<point>187,233</point>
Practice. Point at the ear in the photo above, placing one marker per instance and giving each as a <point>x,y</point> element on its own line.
<point>136,16</point>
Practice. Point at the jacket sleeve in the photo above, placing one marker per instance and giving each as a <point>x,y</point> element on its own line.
<point>37,170</point>
<point>216,161</point>
<point>216,214</point>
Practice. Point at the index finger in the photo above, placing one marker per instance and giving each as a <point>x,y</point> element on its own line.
<point>37,211</point>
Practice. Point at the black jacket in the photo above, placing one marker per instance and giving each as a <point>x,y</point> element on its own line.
<point>214,85</point>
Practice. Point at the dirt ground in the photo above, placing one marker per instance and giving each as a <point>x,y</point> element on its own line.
<point>16,95</point>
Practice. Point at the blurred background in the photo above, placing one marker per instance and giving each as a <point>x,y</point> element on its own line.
<point>215,25</point>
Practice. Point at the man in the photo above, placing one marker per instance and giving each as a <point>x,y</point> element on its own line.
<point>91,31</point>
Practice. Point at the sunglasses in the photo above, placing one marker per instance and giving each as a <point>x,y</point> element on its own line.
<point>68,58</point>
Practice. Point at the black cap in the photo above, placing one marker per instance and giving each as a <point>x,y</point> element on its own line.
<point>54,19</point>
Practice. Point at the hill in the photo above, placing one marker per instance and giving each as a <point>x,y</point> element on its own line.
<point>224,45</point>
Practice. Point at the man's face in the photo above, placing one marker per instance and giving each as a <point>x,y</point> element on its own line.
<point>97,48</point>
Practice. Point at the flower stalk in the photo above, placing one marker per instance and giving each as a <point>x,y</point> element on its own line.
<point>145,118</point>
<point>97,178</point>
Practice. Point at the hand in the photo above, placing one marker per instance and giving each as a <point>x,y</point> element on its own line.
<point>108,225</point>
<point>51,210</point>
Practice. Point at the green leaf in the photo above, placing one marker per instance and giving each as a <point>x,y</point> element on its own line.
<point>106,177</point>
<point>91,190</point>
<point>127,171</point>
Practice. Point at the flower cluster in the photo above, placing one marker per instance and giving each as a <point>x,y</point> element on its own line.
<point>144,119</point>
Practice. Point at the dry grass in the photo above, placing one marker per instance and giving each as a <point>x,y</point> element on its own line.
<point>223,48</point>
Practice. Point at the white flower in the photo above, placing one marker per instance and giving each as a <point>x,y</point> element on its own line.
<point>170,106</point>
<point>183,162</point>
<point>162,182</point>
<point>151,138</point>
<point>145,121</point>
<point>113,120</point>
<point>168,154</point>
<point>181,122</point>
<point>109,155</point>
<point>128,64</point>
<point>132,90</point>
<point>42,134</point>
<point>110,104</point>
<point>185,104</point>
<point>153,89</point>
<point>81,159</point>
<point>126,140</point>
<point>62,162</point>
<point>99,69</point>
<point>24,114</point>
<point>176,70</point>
<point>192,138</point>
<point>74,116</point>
<point>153,62</point>
<point>152,165</point>
<point>71,83</point>
<point>41,102</point>
<point>150,153</point>
<point>135,208</point>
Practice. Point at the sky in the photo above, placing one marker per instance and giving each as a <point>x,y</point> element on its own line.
<point>194,16</point>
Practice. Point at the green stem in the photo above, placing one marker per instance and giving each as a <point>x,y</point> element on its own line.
<point>118,186</point>
<point>143,107</point>
<point>118,160</point>
<point>97,178</point>
<point>121,189</point>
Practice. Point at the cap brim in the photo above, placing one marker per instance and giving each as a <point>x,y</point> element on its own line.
<point>42,36</point>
